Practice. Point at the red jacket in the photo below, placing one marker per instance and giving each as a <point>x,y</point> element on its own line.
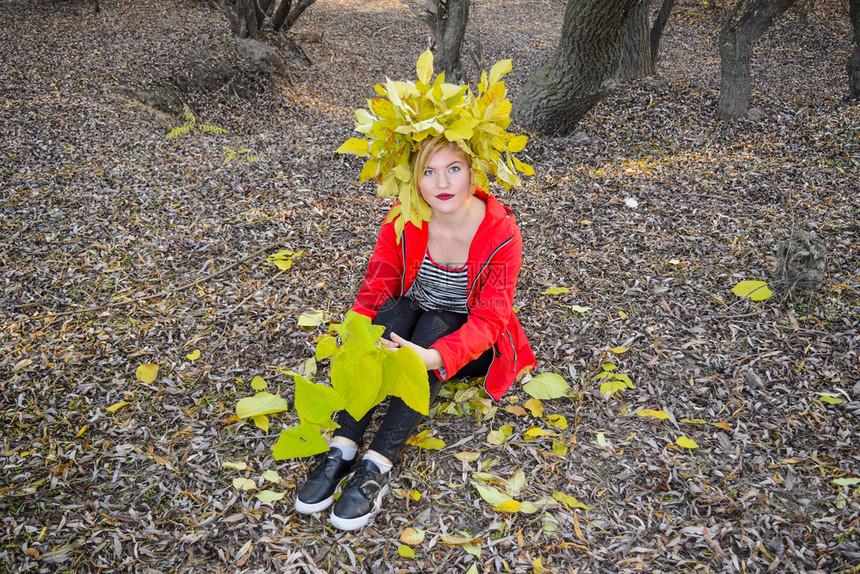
<point>495,258</point>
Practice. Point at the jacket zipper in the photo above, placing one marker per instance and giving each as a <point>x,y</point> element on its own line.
<point>489,259</point>
<point>468,311</point>
<point>403,255</point>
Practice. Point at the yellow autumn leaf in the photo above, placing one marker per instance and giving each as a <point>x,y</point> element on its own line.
<point>619,350</point>
<point>424,67</point>
<point>755,290</point>
<point>311,318</point>
<point>235,465</point>
<point>473,549</point>
<point>272,476</point>
<point>535,406</point>
<point>685,442</point>
<point>499,436</point>
<point>557,421</point>
<point>653,413</point>
<point>468,456</point>
<point>117,406</point>
<point>258,383</point>
<point>147,372</point>
<point>411,493</point>
<point>412,536</point>
<point>535,432</point>
<point>431,443</point>
<point>193,356</point>
<point>270,496</point>
<point>556,291</point>
<point>405,551</point>
<point>262,422</point>
<point>355,146</point>
<point>568,500</point>
<point>454,540</point>
<point>245,484</point>
<point>510,505</point>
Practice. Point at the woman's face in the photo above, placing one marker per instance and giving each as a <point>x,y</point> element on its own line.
<point>446,184</point>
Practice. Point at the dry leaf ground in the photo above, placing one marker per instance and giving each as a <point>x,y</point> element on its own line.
<point>164,244</point>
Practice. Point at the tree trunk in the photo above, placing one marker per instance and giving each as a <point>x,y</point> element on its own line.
<point>451,40</point>
<point>635,45</point>
<point>287,14</point>
<point>574,79</point>
<point>854,60</point>
<point>657,30</point>
<point>737,40</point>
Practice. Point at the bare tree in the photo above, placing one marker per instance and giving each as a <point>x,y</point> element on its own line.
<point>447,20</point>
<point>738,36</point>
<point>575,78</point>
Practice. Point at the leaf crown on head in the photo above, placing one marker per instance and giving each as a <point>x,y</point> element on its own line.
<point>397,123</point>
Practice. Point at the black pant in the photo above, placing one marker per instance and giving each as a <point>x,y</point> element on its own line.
<point>400,315</point>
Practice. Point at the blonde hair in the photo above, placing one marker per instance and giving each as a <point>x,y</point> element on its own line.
<point>426,150</point>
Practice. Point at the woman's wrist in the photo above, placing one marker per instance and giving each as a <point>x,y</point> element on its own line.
<point>433,360</point>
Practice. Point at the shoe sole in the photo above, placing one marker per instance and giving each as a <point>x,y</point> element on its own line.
<point>307,508</point>
<point>361,521</point>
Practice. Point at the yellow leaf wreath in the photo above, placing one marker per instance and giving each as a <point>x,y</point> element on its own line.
<point>413,111</point>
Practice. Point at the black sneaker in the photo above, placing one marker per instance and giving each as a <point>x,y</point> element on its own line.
<point>317,494</point>
<point>361,497</point>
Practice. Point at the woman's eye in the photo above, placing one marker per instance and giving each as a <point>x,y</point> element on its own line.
<point>428,172</point>
<point>455,168</point>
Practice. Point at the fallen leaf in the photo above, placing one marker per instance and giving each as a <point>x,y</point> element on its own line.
<point>653,413</point>
<point>258,383</point>
<point>412,536</point>
<point>246,484</point>
<point>272,476</point>
<point>685,442</point>
<point>270,496</point>
<point>117,406</point>
<point>147,372</point>
<point>546,386</point>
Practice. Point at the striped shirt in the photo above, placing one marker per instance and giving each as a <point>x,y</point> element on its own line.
<point>439,288</point>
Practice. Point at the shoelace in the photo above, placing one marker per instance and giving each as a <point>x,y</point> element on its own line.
<point>319,464</point>
<point>362,476</point>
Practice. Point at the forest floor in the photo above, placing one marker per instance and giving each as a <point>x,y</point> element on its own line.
<point>120,246</point>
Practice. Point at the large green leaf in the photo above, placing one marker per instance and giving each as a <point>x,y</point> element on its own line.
<point>356,372</point>
<point>260,404</point>
<point>404,375</point>
<point>299,441</point>
<point>547,386</point>
<point>315,403</point>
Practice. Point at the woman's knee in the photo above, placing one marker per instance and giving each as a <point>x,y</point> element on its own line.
<point>398,314</point>
<point>433,325</point>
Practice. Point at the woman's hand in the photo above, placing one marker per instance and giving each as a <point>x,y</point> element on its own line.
<point>431,357</point>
